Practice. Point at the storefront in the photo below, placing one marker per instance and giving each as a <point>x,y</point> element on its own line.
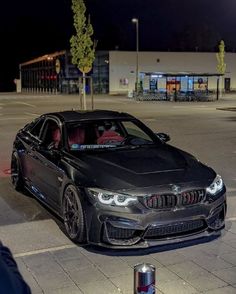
<point>42,74</point>
<point>181,84</point>
<point>55,73</point>
<point>167,72</point>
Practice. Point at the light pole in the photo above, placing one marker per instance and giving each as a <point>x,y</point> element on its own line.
<point>135,20</point>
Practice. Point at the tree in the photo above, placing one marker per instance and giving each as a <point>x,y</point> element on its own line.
<point>82,46</point>
<point>221,66</point>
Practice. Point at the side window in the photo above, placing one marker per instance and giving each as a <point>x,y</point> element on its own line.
<point>51,133</point>
<point>112,126</point>
<point>135,131</point>
<point>36,128</point>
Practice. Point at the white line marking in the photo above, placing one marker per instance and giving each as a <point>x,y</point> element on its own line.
<point>150,119</point>
<point>24,103</point>
<point>231,219</point>
<point>231,189</point>
<point>31,114</point>
<point>13,118</point>
<point>52,249</point>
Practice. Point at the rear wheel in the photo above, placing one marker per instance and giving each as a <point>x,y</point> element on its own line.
<point>73,215</point>
<point>16,174</point>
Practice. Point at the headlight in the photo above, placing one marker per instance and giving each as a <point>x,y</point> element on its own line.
<point>112,198</point>
<point>216,186</point>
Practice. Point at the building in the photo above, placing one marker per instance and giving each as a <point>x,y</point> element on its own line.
<point>114,72</point>
<point>53,73</point>
<point>166,71</point>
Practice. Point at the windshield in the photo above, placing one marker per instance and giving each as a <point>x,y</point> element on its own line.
<point>104,134</point>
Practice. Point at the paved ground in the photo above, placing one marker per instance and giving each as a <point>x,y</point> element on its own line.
<point>202,268</point>
<point>52,264</point>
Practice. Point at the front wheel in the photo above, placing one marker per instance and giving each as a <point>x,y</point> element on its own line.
<point>73,215</point>
<point>16,175</point>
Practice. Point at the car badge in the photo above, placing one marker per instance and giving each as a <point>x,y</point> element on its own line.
<point>175,189</point>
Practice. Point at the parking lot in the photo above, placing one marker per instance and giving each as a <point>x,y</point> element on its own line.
<point>51,263</point>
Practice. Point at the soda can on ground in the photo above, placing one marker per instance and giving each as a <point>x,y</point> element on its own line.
<point>144,278</point>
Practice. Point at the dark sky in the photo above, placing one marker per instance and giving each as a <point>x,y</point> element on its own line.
<point>31,28</point>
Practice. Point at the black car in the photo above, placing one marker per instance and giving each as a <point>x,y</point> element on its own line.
<point>116,183</point>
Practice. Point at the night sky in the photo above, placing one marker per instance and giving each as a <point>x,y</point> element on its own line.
<point>31,28</point>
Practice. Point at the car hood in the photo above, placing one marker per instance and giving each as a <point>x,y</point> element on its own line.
<point>142,167</point>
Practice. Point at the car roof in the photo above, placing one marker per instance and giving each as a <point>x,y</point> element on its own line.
<point>85,115</point>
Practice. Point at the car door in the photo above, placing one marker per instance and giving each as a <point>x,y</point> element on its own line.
<point>29,142</point>
<point>49,176</point>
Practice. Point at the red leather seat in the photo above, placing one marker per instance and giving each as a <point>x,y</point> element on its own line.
<point>56,136</point>
<point>109,136</point>
<point>76,136</point>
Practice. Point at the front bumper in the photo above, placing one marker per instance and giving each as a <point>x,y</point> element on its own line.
<point>141,227</point>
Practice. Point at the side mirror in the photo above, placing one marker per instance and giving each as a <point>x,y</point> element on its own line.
<point>54,150</point>
<point>49,149</point>
<point>163,137</point>
<point>51,146</point>
<point>40,146</point>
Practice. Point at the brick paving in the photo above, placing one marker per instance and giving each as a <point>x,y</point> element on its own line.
<point>207,267</point>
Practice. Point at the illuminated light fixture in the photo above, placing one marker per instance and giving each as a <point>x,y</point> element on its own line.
<point>136,21</point>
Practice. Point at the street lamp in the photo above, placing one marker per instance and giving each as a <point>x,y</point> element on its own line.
<point>135,20</point>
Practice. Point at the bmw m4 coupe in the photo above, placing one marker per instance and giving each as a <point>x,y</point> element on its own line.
<point>115,182</point>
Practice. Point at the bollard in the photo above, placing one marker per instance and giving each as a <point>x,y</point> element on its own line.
<point>144,278</point>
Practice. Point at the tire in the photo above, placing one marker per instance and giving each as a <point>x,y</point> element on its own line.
<point>73,215</point>
<point>16,173</point>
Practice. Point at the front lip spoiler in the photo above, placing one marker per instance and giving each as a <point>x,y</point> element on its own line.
<point>207,235</point>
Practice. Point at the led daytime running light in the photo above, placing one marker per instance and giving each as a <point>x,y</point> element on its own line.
<point>216,186</point>
<point>108,198</point>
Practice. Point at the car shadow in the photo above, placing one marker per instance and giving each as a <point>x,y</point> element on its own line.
<point>231,118</point>
<point>19,207</point>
